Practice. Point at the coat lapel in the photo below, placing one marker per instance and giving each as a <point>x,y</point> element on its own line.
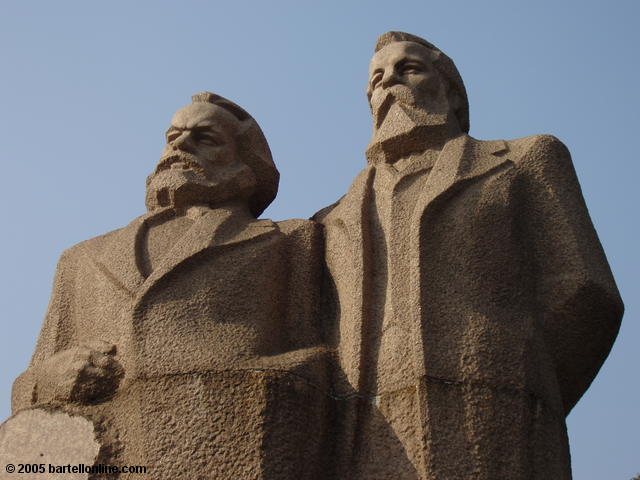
<point>351,211</point>
<point>347,232</point>
<point>118,259</point>
<point>462,161</point>
<point>214,229</point>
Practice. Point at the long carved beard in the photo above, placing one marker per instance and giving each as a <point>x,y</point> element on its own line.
<point>184,188</point>
<point>404,125</point>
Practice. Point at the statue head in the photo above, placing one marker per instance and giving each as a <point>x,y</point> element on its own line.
<point>422,73</point>
<point>215,153</point>
<point>416,96</point>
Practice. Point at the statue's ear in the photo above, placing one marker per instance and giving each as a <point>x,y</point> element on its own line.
<point>455,100</point>
<point>456,103</point>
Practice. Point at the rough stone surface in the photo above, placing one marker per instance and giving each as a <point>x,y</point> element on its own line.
<point>190,336</point>
<point>438,322</point>
<point>36,436</point>
<point>472,304</point>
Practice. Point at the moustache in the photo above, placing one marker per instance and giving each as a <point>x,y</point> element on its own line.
<point>396,93</point>
<point>382,102</point>
<point>186,160</point>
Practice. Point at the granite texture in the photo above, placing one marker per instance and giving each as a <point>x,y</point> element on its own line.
<point>36,437</point>
<point>189,336</point>
<point>438,322</point>
<point>472,303</point>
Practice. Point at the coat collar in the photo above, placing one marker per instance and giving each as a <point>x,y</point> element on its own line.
<point>120,259</point>
<point>461,160</point>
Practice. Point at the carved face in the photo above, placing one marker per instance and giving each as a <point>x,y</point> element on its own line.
<point>405,71</point>
<point>201,139</point>
<point>200,163</point>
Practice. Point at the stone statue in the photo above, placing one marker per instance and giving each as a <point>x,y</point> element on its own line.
<point>463,307</point>
<point>472,301</point>
<point>188,338</point>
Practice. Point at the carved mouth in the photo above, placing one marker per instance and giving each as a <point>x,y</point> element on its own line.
<point>180,162</point>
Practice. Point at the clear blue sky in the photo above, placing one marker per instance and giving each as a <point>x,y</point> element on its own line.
<point>87,89</point>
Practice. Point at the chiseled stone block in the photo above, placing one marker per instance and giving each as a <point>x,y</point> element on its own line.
<point>36,437</point>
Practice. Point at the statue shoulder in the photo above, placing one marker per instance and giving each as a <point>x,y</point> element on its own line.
<point>93,246</point>
<point>299,227</point>
<point>538,149</point>
<point>304,239</point>
<point>322,214</point>
<point>355,194</point>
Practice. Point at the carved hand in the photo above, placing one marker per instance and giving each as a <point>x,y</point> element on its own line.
<point>88,373</point>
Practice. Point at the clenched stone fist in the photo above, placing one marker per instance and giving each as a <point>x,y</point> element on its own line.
<point>88,373</point>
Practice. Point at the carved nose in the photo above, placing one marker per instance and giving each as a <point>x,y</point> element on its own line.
<point>389,79</point>
<point>181,143</point>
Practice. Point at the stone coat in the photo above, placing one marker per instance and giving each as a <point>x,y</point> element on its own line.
<point>507,303</point>
<point>223,369</point>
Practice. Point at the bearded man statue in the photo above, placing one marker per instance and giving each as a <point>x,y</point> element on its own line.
<point>188,339</point>
<point>471,302</point>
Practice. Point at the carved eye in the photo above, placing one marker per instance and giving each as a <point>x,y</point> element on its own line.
<point>375,79</point>
<point>173,135</point>
<point>207,138</point>
<point>411,68</point>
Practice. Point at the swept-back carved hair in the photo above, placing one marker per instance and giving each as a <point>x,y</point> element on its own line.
<point>442,63</point>
<point>253,149</point>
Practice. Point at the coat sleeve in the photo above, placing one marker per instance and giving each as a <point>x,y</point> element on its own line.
<point>577,301</point>
<point>57,333</point>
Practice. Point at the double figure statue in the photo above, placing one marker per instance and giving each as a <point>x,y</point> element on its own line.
<point>438,322</point>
